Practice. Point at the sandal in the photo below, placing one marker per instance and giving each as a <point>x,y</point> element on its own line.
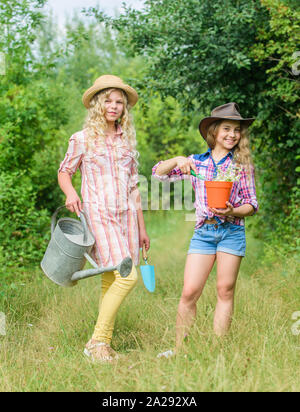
<point>100,352</point>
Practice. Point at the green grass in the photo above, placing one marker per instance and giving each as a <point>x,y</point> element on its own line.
<point>47,327</point>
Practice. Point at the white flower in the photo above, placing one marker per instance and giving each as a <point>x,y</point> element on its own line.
<point>231,174</point>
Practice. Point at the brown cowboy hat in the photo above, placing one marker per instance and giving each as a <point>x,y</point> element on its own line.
<point>228,111</point>
<point>108,81</point>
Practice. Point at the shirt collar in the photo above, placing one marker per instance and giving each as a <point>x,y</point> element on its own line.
<point>229,154</point>
<point>119,131</point>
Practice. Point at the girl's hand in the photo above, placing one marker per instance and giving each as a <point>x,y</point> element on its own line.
<point>223,212</point>
<point>185,165</point>
<point>73,203</point>
<point>144,239</point>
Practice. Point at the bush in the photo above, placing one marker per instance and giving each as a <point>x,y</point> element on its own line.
<point>22,227</point>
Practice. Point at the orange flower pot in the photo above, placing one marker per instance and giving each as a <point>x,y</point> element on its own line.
<point>218,193</point>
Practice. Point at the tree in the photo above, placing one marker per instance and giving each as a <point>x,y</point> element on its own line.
<point>277,128</point>
<point>197,50</point>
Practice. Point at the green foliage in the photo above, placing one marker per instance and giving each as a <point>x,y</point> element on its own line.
<point>22,227</point>
<point>277,128</point>
<point>284,240</point>
<point>197,51</point>
<point>18,24</point>
<point>30,116</point>
<point>163,131</point>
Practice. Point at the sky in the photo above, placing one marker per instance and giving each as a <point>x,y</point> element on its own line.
<point>62,7</point>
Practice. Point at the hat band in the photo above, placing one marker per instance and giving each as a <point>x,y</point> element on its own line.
<point>230,117</point>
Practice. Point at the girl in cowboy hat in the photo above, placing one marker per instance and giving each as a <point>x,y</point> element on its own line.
<point>219,233</point>
<point>105,152</point>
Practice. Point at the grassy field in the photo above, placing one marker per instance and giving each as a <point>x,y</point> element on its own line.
<point>47,327</point>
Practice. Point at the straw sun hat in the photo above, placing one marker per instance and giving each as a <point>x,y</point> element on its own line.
<point>108,81</point>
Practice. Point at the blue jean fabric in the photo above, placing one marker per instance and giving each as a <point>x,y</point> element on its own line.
<point>210,239</point>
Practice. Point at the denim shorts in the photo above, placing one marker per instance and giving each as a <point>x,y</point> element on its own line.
<point>226,237</point>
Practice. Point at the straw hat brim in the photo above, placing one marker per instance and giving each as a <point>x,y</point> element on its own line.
<point>207,121</point>
<point>132,95</point>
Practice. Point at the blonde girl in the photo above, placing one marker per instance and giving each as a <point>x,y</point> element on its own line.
<point>219,233</point>
<point>105,152</point>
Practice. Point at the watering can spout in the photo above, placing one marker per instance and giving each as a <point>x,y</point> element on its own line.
<point>124,268</point>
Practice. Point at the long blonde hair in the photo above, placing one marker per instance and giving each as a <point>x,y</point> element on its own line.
<point>242,155</point>
<point>96,124</point>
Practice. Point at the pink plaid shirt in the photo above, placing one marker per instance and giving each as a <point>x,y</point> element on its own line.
<point>108,174</point>
<point>243,191</point>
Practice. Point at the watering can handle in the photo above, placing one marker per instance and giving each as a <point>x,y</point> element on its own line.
<point>82,218</point>
<point>84,224</point>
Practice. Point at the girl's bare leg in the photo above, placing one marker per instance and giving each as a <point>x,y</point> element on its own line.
<point>197,269</point>
<point>227,272</point>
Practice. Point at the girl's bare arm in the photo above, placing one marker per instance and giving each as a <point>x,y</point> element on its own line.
<point>185,165</point>
<point>73,202</point>
<point>143,236</point>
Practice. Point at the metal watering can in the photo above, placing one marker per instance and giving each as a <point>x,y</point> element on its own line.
<point>68,249</point>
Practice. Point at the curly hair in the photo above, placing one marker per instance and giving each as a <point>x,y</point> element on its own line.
<point>242,155</point>
<point>96,124</point>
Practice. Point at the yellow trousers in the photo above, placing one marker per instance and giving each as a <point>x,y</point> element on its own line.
<point>114,290</point>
